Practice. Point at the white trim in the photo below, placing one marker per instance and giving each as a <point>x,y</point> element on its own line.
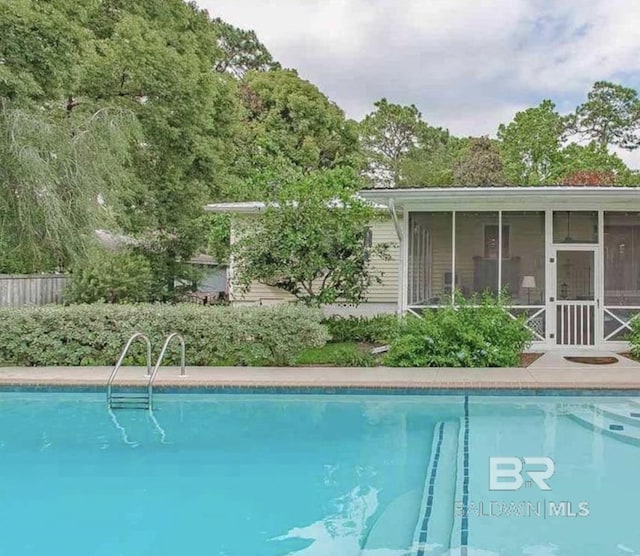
<point>599,281</point>
<point>544,193</point>
<point>510,198</point>
<point>549,278</point>
<point>500,254</point>
<point>403,278</point>
<point>255,207</point>
<point>453,256</point>
<point>394,218</point>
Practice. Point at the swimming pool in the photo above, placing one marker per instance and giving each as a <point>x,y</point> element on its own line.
<point>317,475</point>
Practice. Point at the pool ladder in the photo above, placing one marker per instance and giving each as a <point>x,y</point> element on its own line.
<point>137,399</point>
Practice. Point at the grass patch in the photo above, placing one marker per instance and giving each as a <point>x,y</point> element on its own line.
<point>339,354</point>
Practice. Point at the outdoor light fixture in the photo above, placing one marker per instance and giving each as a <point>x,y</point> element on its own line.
<point>528,283</point>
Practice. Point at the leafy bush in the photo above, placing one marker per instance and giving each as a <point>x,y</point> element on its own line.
<point>633,337</point>
<point>353,356</point>
<point>95,334</point>
<point>122,277</point>
<point>379,329</point>
<point>462,336</point>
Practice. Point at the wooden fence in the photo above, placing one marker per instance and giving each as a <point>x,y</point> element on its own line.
<point>18,290</point>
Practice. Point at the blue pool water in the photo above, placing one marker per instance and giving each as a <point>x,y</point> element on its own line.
<point>240,475</point>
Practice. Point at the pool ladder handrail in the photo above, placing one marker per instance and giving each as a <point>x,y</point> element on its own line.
<point>121,359</point>
<point>154,373</point>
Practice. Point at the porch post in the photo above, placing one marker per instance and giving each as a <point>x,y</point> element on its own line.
<point>500,255</point>
<point>598,279</point>
<point>453,257</point>
<point>404,263</point>
<point>549,278</point>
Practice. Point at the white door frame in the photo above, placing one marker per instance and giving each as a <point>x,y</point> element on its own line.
<point>552,297</point>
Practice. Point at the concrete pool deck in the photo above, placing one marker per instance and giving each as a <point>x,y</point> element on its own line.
<point>551,371</point>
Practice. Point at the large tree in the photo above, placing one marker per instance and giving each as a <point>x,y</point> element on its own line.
<point>289,128</point>
<point>387,136</point>
<point>479,165</point>
<point>610,116</point>
<point>531,144</point>
<point>155,60</point>
<point>41,49</point>
<point>432,163</point>
<point>311,241</point>
<point>590,163</point>
<point>241,51</point>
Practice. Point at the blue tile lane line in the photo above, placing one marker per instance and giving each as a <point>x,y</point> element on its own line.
<point>422,538</point>
<point>464,529</point>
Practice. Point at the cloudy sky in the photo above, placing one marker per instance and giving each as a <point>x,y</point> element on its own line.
<point>468,65</point>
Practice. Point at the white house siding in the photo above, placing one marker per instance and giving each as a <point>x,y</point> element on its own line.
<point>380,297</point>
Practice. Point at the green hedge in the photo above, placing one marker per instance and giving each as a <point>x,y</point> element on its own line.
<point>95,334</point>
<point>633,337</point>
<point>463,336</point>
<point>379,329</point>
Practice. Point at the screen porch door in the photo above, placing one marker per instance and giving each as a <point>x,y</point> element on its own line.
<point>576,301</point>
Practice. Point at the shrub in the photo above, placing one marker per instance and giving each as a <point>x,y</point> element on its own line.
<point>633,337</point>
<point>346,354</point>
<point>95,334</point>
<point>379,329</point>
<point>122,277</point>
<point>462,336</point>
<point>353,356</point>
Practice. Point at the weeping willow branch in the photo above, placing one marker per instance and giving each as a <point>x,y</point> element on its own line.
<point>57,177</point>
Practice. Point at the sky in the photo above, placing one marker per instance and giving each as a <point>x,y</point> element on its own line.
<point>468,65</point>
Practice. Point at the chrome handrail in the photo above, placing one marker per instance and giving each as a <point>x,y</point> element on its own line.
<point>121,359</point>
<point>183,371</point>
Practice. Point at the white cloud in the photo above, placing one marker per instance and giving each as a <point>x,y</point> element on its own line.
<point>467,65</point>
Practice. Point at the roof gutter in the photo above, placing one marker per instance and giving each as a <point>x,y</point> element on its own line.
<point>394,217</point>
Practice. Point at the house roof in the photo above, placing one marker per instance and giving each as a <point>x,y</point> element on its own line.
<point>204,260</point>
<point>496,197</point>
<point>254,207</point>
<point>508,197</point>
<point>244,207</point>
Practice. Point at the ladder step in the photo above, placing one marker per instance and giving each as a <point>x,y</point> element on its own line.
<point>130,397</point>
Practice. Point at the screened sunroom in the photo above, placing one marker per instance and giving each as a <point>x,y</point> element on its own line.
<point>567,258</point>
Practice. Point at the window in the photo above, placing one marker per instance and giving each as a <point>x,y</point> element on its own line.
<point>491,242</point>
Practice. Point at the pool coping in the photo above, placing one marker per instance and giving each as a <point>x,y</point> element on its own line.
<point>528,380</point>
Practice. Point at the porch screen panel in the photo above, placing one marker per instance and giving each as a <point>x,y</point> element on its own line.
<point>418,267</point>
<point>477,248</point>
<point>523,259</point>
<point>570,226</point>
<point>430,258</point>
<point>621,272</point>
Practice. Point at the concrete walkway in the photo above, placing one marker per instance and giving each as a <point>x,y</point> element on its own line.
<point>546,372</point>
